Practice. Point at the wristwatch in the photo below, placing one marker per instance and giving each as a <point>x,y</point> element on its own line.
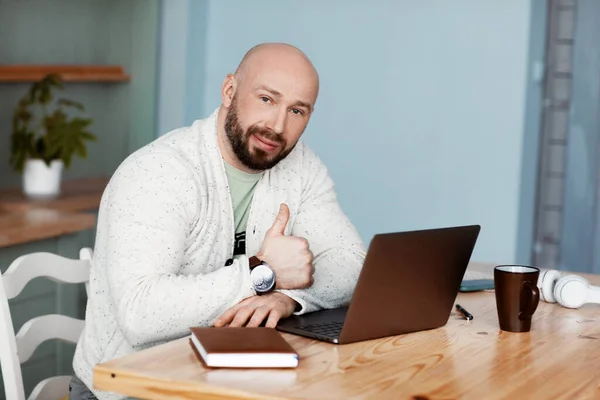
<point>261,275</point>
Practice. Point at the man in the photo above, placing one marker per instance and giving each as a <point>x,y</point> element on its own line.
<point>229,222</point>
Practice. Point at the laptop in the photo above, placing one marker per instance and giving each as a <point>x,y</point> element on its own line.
<point>408,283</point>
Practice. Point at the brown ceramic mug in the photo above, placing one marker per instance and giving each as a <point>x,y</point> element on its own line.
<point>517,296</point>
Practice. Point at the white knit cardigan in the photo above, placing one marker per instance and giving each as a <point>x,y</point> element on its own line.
<point>165,230</point>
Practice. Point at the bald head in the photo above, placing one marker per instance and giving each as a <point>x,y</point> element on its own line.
<point>279,56</point>
<point>266,105</point>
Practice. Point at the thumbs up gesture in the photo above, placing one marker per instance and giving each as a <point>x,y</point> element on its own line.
<point>288,256</point>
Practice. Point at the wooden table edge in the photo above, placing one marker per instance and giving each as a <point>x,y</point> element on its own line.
<point>71,223</point>
<point>130,385</point>
<point>74,212</point>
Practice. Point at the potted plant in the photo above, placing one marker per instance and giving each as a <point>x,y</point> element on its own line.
<point>46,134</point>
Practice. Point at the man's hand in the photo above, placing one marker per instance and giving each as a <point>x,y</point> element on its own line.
<point>288,256</point>
<point>252,311</point>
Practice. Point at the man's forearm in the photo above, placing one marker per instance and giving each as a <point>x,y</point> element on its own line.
<point>157,308</point>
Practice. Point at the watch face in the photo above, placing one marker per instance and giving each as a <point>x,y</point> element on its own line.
<point>263,278</point>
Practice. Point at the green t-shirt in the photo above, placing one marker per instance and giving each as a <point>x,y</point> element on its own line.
<point>241,187</point>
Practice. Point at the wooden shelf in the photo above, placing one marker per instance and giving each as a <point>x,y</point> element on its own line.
<point>69,73</point>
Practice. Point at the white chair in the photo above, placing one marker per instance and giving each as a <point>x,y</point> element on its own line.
<point>16,349</point>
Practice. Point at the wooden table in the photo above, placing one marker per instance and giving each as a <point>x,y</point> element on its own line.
<point>558,359</point>
<point>23,220</point>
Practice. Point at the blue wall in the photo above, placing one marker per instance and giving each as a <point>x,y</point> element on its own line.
<point>172,66</point>
<point>422,106</point>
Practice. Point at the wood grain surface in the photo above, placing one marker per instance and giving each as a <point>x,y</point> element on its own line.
<point>76,195</point>
<point>31,225</point>
<point>23,220</point>
<point>558,359</point>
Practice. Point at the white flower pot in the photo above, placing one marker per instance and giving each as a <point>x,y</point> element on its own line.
<point>40,181</point>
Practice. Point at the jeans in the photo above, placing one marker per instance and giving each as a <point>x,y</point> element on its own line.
<point>78,390</point>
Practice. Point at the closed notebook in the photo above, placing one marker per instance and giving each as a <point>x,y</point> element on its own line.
<point>243,348</point>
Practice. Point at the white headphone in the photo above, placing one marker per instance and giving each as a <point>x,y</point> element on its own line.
<point>569,291</point>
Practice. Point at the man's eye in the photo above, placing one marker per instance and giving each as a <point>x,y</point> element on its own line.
<point>265,99</point>
<point>296,111</point>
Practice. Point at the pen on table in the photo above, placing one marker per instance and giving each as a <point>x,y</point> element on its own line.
<point>464,312</point>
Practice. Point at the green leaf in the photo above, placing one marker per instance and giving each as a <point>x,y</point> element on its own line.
<point>89,136</point>
<point>67,137</point>
<point>81,150</point>
<point>70,103</point>
<point>22,147</point>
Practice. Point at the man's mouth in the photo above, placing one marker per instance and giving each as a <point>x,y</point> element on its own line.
<point>266,143</point>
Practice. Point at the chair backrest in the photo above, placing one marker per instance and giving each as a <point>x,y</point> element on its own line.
<point>16,349</point>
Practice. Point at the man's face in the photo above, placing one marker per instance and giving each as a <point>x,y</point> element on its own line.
<point>267,115</point>
<point>258,148</point>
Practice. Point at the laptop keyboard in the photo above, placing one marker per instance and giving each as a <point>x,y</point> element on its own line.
<point>328,329</point>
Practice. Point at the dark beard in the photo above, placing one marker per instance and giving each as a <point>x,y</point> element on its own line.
<point>255,159</point>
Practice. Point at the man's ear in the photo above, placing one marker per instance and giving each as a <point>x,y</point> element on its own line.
<point>228,90</point>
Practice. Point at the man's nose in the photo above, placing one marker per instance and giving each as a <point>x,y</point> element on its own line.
<point>277,121</point>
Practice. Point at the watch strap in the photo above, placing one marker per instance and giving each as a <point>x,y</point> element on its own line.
<point>254,262</point>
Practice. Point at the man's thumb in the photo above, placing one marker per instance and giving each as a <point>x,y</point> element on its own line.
<point>281,220</point>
